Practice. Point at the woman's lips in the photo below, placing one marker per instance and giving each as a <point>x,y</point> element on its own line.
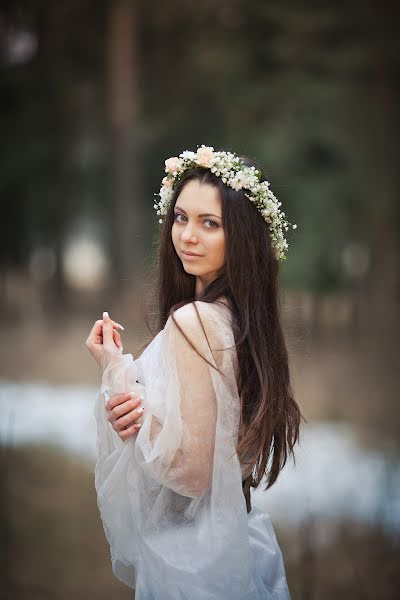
<point>190,255</point>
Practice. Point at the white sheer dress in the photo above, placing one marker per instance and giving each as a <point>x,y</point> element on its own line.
<point>171,497</point>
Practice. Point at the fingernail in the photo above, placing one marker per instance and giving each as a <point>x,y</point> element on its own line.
<point>138,426</point>
<point>105,315</point>
<point>132,395</point>
<point>120,326</point>
<point>141,409</point>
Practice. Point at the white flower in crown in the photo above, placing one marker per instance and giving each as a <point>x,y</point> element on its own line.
<point>234,173</point>
<point>188,154</point>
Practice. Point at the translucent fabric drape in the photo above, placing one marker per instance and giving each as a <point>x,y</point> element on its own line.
<point>171,497</point>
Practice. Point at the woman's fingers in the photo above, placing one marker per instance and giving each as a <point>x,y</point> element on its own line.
<point>129,432</point>
<point>97,328</point>
<point>121,398</point>
<point>108,335</point>
<point>123,410</point>
<point>107,330</point>
<point>128,419</point>
<point>96,334</point>
<point>117,339</point>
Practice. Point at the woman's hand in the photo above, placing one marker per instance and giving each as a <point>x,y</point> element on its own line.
<point>123,411</point>
<point>104,336</point>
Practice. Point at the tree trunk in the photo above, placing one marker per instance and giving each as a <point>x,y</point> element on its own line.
<point>121,81</point>
<point>385,274</point>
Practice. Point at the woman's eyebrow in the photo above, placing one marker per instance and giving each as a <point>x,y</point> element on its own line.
<point>202,215</point>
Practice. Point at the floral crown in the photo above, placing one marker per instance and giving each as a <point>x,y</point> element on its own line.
<point>233,172</point>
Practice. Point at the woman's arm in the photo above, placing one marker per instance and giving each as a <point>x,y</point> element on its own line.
<point>189,373</point>
<point>175,444</point>
<point>183,440</point>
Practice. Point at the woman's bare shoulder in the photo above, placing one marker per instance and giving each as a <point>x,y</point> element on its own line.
<point>203,321</point>
<point>209,313</point>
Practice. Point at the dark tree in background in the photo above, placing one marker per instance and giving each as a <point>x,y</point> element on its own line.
<point>122,75</point>
<point>107,90</point>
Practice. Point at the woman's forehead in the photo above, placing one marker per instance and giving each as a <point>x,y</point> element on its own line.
<point>199,197</point>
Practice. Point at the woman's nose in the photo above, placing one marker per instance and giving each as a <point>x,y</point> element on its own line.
<point>189,234</point>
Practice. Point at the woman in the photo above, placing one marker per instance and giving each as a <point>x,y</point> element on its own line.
<point>207,410</point>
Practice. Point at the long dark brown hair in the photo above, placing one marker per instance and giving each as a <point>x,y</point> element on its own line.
<point>270,417</point>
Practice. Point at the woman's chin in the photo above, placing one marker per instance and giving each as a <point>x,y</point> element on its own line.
<point>191,270</point>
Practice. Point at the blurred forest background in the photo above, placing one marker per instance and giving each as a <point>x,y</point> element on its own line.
<point>94,96</point>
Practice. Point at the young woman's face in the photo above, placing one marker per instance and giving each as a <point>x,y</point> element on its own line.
<point>197,232</point>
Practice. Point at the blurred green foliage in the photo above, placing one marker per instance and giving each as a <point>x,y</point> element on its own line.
<point>310,90</point>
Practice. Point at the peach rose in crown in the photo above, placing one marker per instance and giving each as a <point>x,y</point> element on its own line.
<point>167,182</point>
<point>172,165</point>
<point>205,156</point>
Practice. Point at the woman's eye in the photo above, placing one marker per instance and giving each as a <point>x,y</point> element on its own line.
<point>211,224</point>
<point>176,217</point>
<point>180,218</point>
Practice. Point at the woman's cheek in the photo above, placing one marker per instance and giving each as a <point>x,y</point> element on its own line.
<point>221,251</point>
